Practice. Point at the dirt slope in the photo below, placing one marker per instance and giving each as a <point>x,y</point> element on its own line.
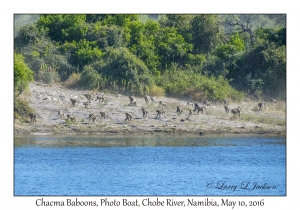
<point>48,100</point>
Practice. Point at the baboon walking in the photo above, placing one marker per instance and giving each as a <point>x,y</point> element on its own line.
<point>88,96</point>
<point>189,103</point>
<point>179,110</point>
<point>101,98</point>
<point>72,118</point>
<point>73,101</point>
<point>147,99</point>
<point>262,105</point>
<point>159,113</point>
<point>237,111</point>
<point>226,108</point>
<point>86,104</point>
<point>128,118</point>
<point>92,117</point>
<point>206,103</point>
<point>163,103</point>
<point>103,114</point>
<point>132,101</point>
<point>61,114</point>
<point>199,109</point>
<point>274,100</point>
<point>32,117</point>
<point>145,112</point>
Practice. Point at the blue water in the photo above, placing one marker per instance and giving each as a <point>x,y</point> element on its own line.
<point>163,165</point>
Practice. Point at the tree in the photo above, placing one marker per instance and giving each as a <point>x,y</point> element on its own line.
<point>22,74</point>
<point>206,34</point>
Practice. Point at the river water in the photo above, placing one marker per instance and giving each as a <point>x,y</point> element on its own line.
<point>149,165</point>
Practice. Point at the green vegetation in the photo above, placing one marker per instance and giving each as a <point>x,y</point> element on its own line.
<point>194,56</point>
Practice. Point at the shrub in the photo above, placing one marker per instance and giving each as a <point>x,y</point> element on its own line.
<point>90,79</point>
<point>72,81</point>
<point>157,91</point>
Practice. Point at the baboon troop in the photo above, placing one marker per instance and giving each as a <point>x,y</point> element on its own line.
<point>226,108</point>
<point>145,112</point>
<point>237,111</point>
<point>179,110</point>
<point>199,109</point>
<point>32,117</point>
<point>132,101</point>
<point>74,101</point>
<point>128,118</point>
<point>262,105</point>
<point>159,113</point>
<point>163,103</point>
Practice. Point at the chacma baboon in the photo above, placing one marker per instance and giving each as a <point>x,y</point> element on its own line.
<point>86,104</point>
<point>132,101</point>
<point>73,101</point>
<point>88,96</point>
<point>159,113</point>
<point>147,99</point>
<point>153,98</point>
<point>32,117</point>
<point>206,103</point>
<point>61,114</point>
<point>101,98</point>
<point>226,108</point>
<point>92,117</point>
<point>262,105</point>
<point>189,103</point>
<point>128,118</point>
<point>199,109</point>
<point>274,100</point>
<point>163,103</point>
<point>179,110</point>
<point>103,114</point>
<point>145,112</point>
<point>71,117</point>
<point>226,102</point>
<point>237,111</point>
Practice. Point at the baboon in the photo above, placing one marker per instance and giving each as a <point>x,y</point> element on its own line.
<point>132,101</point>
<point>159,113</point>
<point>145,112</point>
<point>128,118</point>
<point>226,108</point>
<point>190,112</point>
<point>88,96</point>
<point>32,117</point>
<point>101,98</point>
<point>189,103</point>
<point>237,111</point>
<point>73,101</point>
<point>61,114</point>
<point>226,102</point>
<point>86,104</point>
<point>261,105</point>
<point>163,103</point>
<point>206,103</point>
<point>199,109</point>
<point>274,100</point>
<point>103,114</point>
<point>153,99</point>
<point>147,99</point>
<point>178,110</point>
<point>71,117</point>
<point>92,117</point>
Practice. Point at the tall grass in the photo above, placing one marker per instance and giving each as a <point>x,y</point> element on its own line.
<point>197,86</point>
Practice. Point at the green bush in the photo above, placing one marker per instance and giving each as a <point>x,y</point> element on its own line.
<point>90,79</point>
